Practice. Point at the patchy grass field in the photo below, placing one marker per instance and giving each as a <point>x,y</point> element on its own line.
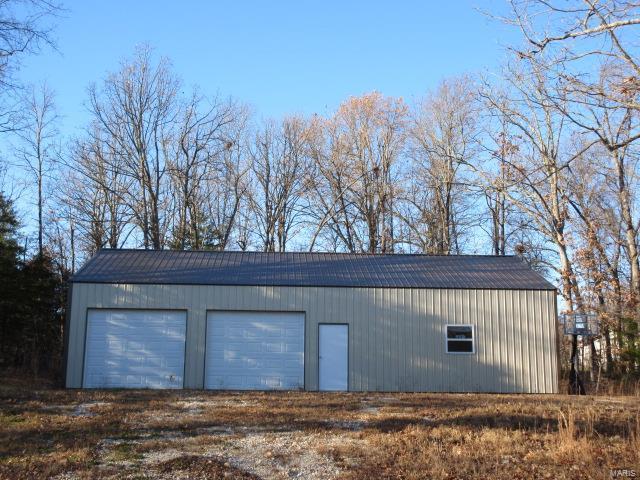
<point>192,434</point>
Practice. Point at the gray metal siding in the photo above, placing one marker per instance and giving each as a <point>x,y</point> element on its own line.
<point>396,336</point>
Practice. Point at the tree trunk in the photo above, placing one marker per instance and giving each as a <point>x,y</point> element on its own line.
<point>607,349</point>
<point>576,387</point>
<point>40,226</point>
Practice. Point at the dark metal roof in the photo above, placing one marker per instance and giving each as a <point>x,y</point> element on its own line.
<point>310,270</point>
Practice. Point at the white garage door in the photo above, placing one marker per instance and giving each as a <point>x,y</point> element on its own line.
<point>255,350</point>
<point>135,349</point>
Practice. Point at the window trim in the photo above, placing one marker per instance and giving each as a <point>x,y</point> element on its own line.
<point>472,339</point>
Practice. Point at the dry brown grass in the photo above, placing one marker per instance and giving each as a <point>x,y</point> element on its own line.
<point>195,466</point>
<point>192,434</point>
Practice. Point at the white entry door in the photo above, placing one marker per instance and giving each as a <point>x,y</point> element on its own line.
<point>134,349</point>
<point>255,351</point>
<point>334,357</point>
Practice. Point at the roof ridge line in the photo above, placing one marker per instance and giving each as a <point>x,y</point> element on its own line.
<point>251,252</point>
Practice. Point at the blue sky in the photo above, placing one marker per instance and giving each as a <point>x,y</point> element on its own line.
<point>279,56</point>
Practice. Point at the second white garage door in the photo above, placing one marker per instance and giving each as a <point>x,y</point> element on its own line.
<point>255,351</point>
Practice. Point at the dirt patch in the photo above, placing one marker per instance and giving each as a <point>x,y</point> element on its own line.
<point>87,409</point>
<point>285,454</point>
<point>192,466</point>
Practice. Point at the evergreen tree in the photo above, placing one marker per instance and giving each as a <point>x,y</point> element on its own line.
<point>42,319</point>
<point>32,303</point>
<point>10,273</point>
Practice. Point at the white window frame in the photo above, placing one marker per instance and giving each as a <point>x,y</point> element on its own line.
<point>472,339</point>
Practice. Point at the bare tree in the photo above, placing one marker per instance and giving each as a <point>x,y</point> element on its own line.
<point>536,181</point>
<point>97,192</point>
<point>225,194</point>
<point>442,140</point>
<point>502,149</point>
<point>36,149</point>
<point>617,126</point>
<point>24,29</point>
<point>136,108</point>
<point>613,126</point>
<point>61,237</point>
<point>199,154</point>
<point>572,41</point>
<point>156,164</point>
<point>356,160</point>
<point>598,244</point>
<point>279,168</point>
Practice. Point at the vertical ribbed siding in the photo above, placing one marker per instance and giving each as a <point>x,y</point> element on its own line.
<point>396,336</point>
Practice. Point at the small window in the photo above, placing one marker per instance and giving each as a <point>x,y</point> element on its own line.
<point>460,339</point>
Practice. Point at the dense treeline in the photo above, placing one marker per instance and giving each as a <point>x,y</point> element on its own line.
<point>156,169</point>
<point>540,161</point>
<point>32,281</point>
<point>31,304</point>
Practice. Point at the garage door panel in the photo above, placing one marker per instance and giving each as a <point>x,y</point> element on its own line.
<point>174,364</point>
<point>235,381</point>
<point>135,349</point>
<point>253,347</point>
<point>156,362</point>
<point>272,347</point>
<point>255,350</point>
